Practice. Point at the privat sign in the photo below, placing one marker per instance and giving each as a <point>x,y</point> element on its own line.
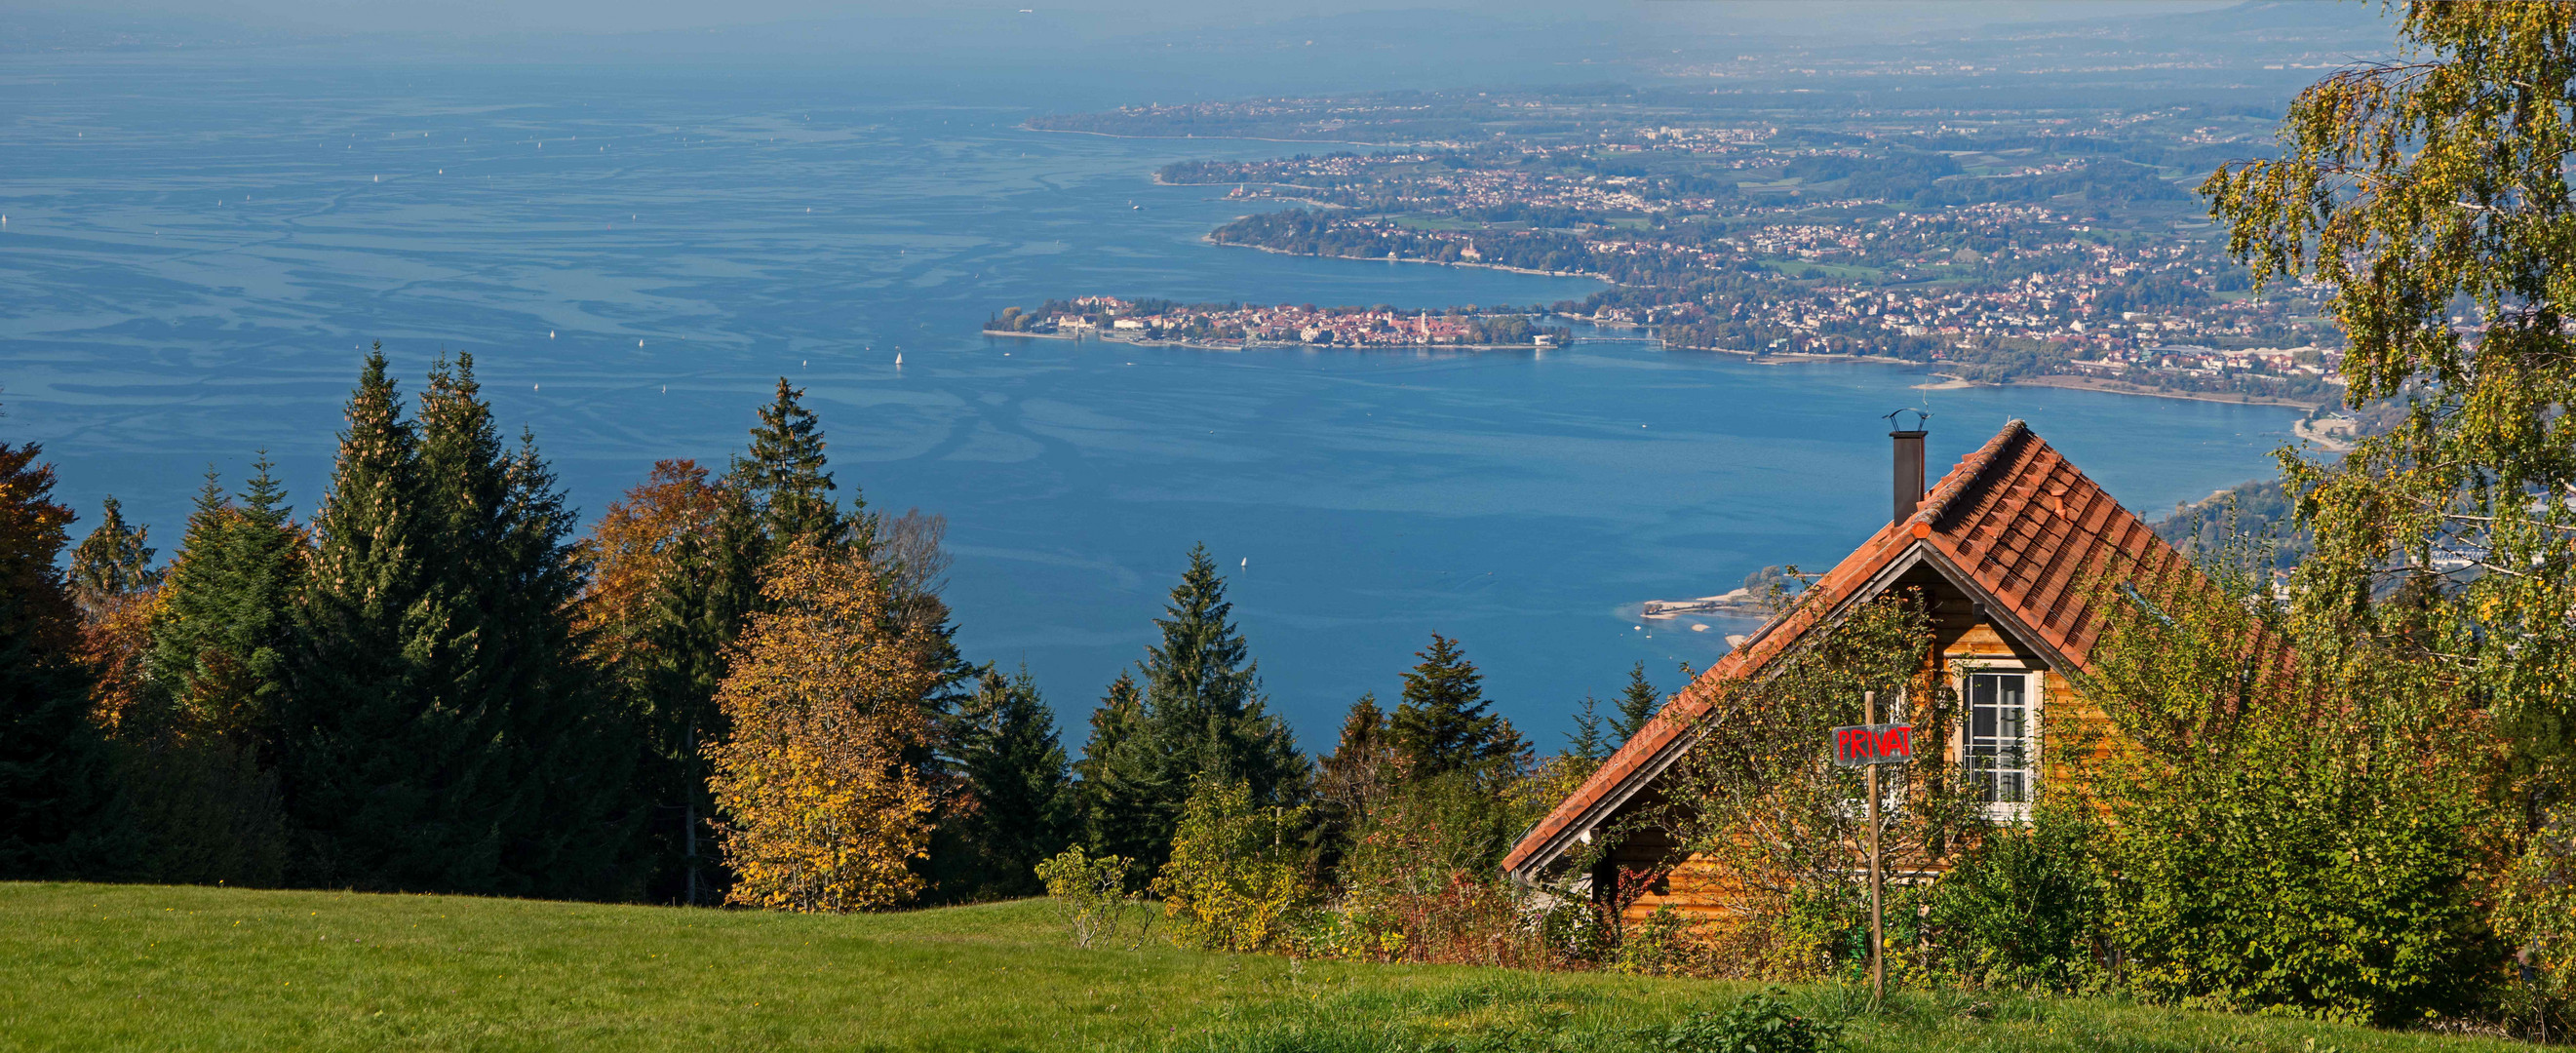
<point>1860,745</point>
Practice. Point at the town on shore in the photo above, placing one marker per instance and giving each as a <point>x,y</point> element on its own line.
<point>2060,244</point>
<point>1234,325</point>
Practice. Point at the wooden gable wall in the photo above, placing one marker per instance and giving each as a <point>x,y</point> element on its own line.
<point>1706,894</point>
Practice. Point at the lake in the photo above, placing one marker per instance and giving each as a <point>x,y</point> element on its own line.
<point>196,251</point>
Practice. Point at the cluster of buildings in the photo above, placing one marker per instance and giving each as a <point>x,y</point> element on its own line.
<point>1443,189</point>
<point>1697,139</point>
<point>1113,318</point>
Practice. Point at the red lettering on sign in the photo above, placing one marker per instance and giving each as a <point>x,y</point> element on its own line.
<point>1872,744</point>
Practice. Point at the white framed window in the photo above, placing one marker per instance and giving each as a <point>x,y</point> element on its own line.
<point>1999,739</point>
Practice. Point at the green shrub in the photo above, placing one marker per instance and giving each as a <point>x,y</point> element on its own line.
<point>1657,946</point>
<point>1419,882</point>
<point>1236,880</point>
<point>2313,834</point>
<point>1761,1023</point>
<point>1089,894</point>
<point>2024,908</point>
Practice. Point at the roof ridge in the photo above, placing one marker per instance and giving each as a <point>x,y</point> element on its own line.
<point>1968,470</point>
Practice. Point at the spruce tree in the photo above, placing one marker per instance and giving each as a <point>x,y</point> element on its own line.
<point>1202,694</point>
<point>58,811</point>
<point>539,786</point>
<point>1586,743</point>
<point>700,608</point>
<point>226,611</point>
<point>1441,725</point>
<point>444,736</point>
<point>1118,804</point>
<point>1200,714</point>
<point>1638,703</point>
<point>115,560</point>
<point>1122,706</point>
<point>113,583</point>
<point>785,476</point>
<point>579,744</point>
<point>1353,777</point>
<point>201,780</point>
<point>360,758</point>
<point>675,574</point>
<point>1014,771</point>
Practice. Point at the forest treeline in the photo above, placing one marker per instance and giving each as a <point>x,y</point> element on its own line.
<point>740,684</point>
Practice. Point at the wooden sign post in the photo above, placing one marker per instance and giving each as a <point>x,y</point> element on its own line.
<point>1869,745</point>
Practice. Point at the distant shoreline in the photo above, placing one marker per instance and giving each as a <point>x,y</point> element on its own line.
<point>2324,440</point>
<point>1027,127</point>
<point>2056,380</point>
<point>2053,380</point>
<point>2116,387</point>
<point>1211,239</point>
<point>1247,345</point>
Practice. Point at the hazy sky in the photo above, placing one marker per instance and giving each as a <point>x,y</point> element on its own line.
<point>1111,17</point>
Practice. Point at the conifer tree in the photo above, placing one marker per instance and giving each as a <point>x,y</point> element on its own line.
<point>225,611</point>
<point>357,759</point>
<point>1638,703</point>
<point>671,586</point>
<point>114,561</point>
<point>1200,714</point>
<point>1586,743</point>
<point>58,815</point>
<point>1113,722</point>
<point>785,476</point>
<point>699,610</point>
<point>1202,695</point>
<point>1019,805</point>
<point>1353,777</point>
<point>1119,800</point>
<point>1441,725</point>
<point>444,736</point>
<point>196,757</point>
<point>551,761</point>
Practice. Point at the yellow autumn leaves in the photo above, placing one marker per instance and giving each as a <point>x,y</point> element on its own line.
<point>822,811</point>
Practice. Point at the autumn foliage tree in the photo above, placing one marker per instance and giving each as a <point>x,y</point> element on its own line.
<point>824,701</point>
<point>117,590</point>
<point>56,799</point>
<point>2429,195</point>
<point>673,576</point>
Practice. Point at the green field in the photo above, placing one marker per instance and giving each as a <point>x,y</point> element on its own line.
<point>107,967</point>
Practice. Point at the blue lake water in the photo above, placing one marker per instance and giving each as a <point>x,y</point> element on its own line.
<point>193,254</point>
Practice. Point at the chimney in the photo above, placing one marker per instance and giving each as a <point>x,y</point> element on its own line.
<point>1909,472</point>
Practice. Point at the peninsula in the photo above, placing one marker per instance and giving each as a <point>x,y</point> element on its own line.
<point>2058,243</point>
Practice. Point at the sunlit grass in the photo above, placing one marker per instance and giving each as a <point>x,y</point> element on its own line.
<point>97,966</point>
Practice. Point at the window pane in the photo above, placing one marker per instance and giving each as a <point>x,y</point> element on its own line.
<point>1998,749</point>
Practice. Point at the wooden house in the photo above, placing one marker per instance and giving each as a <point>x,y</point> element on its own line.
<point>2004,549</point>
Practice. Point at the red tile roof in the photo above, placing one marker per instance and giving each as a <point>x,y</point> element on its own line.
<point>2014,522</point>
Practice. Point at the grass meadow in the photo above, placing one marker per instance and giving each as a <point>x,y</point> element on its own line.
<point>180,968</point>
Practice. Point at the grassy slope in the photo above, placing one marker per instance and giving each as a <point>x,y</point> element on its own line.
<point>92,966</point>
